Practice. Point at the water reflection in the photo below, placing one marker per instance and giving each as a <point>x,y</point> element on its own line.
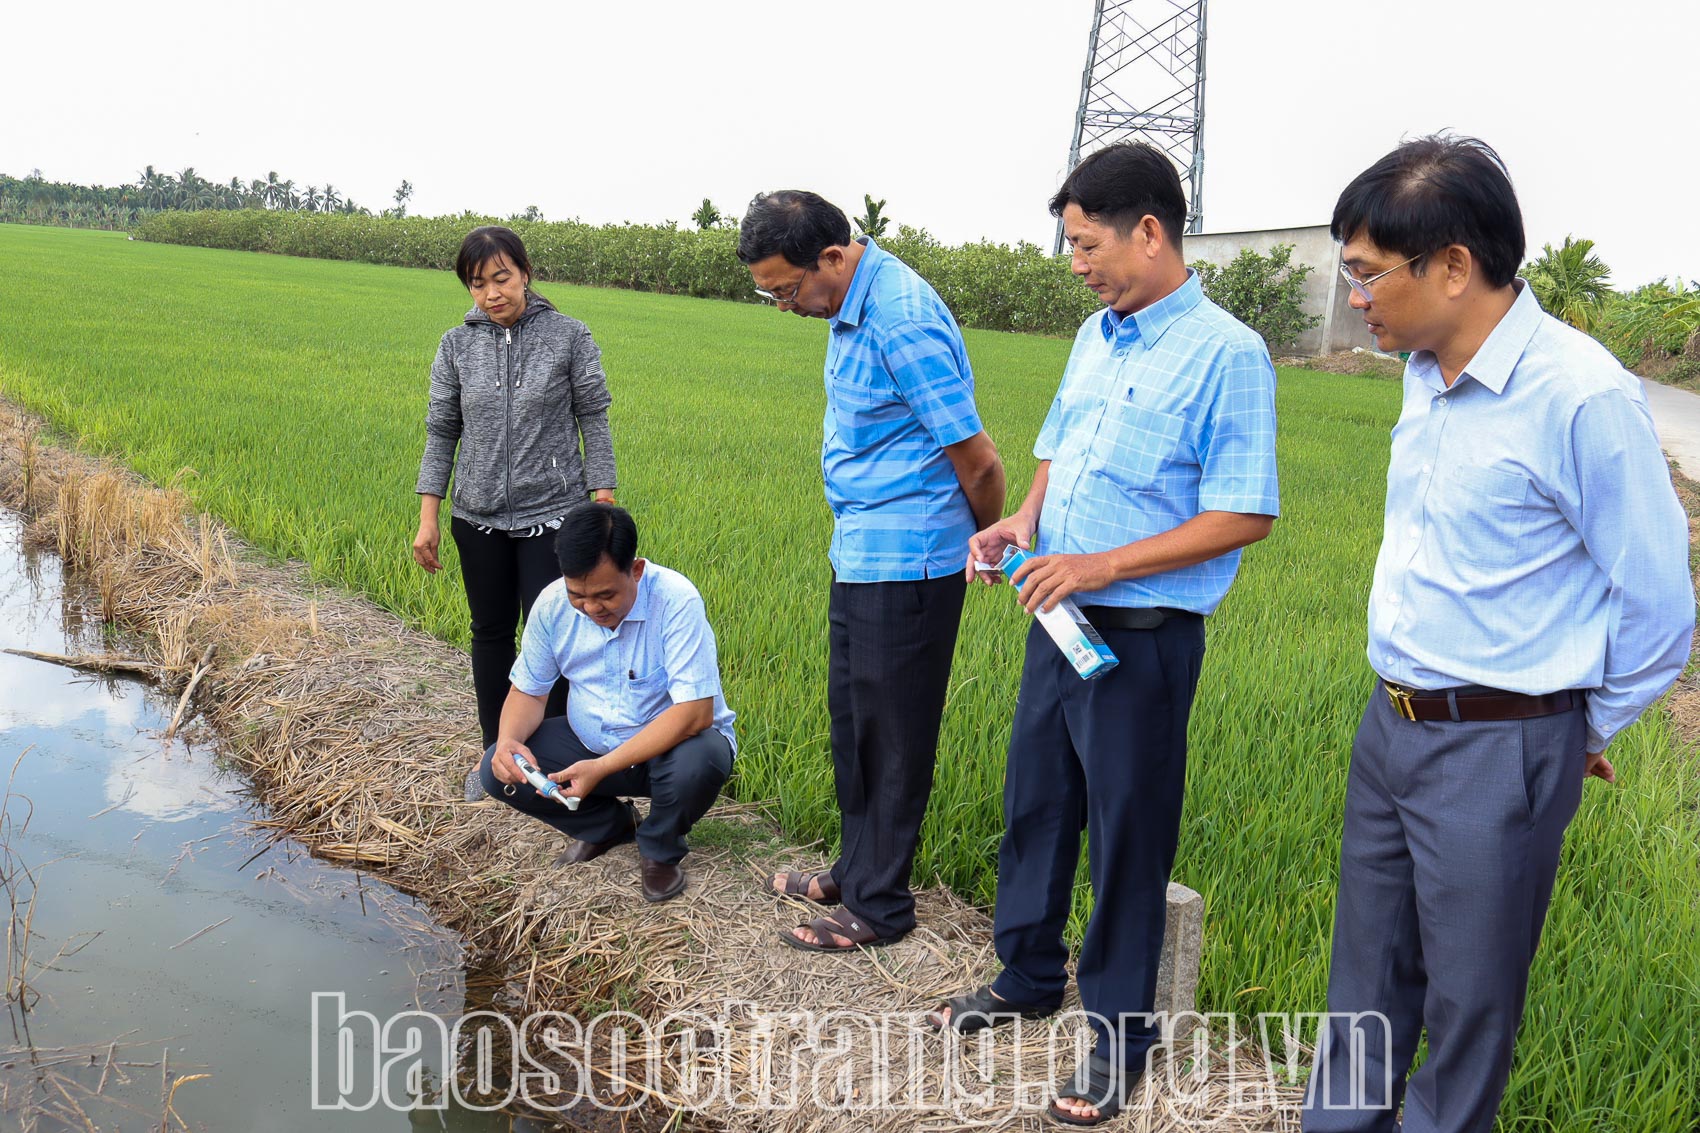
<point>155,936</point>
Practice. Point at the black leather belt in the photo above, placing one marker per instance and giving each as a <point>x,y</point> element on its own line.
<point>1477,704</point>
<point>1127,617</point>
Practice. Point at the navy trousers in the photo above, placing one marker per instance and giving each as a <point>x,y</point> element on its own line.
<point>1107,756</point>
<point>681,785</point>
<point>1451,844</point>
<point>891,645</point>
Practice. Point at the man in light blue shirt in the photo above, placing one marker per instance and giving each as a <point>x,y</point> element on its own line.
<point>1156,465</point>
<point>910,475</point>
<point>645,714</point>
<point>1531,599</point>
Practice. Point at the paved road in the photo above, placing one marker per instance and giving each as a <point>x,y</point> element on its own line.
<point>1676,415</point>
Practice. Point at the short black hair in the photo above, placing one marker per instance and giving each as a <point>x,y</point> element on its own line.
<point>483,245</point>
<point>1122,184</point>
<point>591,531</point>
<point>1433,192</point>
<point>793,223</point>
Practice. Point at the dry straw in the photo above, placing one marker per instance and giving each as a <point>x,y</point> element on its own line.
<point>359,733</point>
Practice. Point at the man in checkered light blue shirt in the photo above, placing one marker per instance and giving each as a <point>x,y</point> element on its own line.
<point>1156,465</point>
<point>910,475</point>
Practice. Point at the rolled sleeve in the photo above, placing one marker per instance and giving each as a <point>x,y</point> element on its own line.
<point>933,379</point>
<point>1238,440</point>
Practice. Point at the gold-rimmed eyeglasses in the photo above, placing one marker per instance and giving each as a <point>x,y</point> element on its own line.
<point>1361,286</point>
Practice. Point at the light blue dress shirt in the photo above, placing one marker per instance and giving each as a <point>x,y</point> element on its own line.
<point>898,391</point>
<point>660,655</point>
<point>1162,414</point>
<point>1532,539</point>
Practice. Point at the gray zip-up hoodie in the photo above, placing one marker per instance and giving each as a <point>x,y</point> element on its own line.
<point>515,401</point>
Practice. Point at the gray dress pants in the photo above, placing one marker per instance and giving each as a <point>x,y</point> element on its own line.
<point>1451,844</point>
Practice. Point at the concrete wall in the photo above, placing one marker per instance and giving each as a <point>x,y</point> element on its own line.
<point>1325,292</point>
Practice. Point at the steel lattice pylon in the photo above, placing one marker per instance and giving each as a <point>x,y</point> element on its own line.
<point>1144,82</point>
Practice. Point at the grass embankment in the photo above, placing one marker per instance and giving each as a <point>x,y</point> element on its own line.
<point>295,391</point>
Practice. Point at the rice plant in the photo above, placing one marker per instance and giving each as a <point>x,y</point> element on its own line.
<point>287,396</point>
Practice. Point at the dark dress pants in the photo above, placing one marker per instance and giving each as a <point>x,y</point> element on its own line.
<point>681,785</point>
<point>503,577</point>
<point>891,645</point>
<point>1107,756</point>
<point>1451,844</point>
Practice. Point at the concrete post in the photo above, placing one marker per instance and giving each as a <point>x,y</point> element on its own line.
<point>1183,945</point>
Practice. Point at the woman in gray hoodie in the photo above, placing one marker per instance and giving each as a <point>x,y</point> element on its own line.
<point>514,390</point>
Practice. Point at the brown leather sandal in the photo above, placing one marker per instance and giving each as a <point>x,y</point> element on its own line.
<point>842,923</point>
<point>796,885</point>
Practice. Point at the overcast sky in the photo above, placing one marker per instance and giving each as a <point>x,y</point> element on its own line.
<point>957,112</point>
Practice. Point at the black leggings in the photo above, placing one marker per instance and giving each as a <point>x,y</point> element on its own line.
<point>503,577</point>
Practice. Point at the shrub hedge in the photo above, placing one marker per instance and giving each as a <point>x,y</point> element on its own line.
<point>990,286</point>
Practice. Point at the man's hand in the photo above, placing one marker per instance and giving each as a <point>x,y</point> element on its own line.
<point>582,777</point>
<point>988,546</point>
<point>502,762</point>
<point>602,496</point>
<point>1599,765</point>
<point>1049,579</point>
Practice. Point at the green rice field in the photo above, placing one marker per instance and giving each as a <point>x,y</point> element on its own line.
<point>288,396</point>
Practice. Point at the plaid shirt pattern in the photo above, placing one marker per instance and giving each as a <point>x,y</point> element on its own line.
<point>1162,414</point>
<point>899,390</point>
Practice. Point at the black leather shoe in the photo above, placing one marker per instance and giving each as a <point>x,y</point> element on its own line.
<point>661,880</point>
<point>581,851</point>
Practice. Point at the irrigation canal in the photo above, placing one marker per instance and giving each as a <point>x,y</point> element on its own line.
<point>156,934</point>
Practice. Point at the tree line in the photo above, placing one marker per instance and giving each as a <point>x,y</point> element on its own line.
<point>35,200</point>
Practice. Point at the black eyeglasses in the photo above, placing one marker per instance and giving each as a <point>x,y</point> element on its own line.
<point>789,300</point>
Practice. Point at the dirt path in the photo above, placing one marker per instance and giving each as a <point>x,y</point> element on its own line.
<point>359,733</point>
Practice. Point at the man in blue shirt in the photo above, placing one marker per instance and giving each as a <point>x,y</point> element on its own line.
<point>1531,599</point>
<point>910,474</point>
<point>645,716</point>
<point>1156,465</point>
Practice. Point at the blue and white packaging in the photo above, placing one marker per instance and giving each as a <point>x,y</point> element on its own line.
<point>1068,627</point>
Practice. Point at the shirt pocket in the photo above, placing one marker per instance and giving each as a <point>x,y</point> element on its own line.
<point>865,414</point>
<point>1486,519</point>
<point>1139,445</point>
<point>645,699</point>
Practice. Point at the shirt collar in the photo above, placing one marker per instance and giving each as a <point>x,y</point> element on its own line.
<point>1149,322</point>
<point>856,297</point>
<point>1499,353</point>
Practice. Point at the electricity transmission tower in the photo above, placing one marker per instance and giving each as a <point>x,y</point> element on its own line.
<point>1144,82</point>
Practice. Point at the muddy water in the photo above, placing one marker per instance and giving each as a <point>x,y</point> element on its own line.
<point>166,936</point>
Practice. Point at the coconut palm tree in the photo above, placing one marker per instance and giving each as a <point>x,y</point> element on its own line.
<point>331,198</point>
<point>311,199</point>
<point>188,182</point>
<point>1570,282</point>
<point>873,221</point>
<point>153,188</point>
